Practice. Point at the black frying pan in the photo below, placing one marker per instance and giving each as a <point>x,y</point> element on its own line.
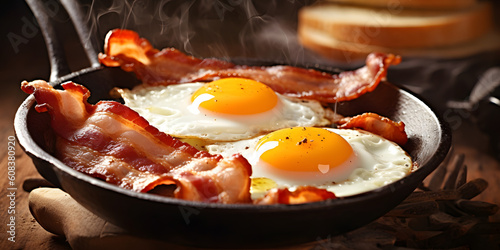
<point>219,225</point>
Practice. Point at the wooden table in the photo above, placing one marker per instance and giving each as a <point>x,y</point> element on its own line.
<point>30,235</point>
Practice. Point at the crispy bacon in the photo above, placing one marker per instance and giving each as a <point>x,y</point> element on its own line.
<point>112,142</point>
<point>302,194</point>
<point>126,49</point>
<point>383,126</point>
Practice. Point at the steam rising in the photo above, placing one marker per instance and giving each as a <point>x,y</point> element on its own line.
<point>265,30</point>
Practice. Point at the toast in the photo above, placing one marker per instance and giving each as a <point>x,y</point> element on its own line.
<point>347,52</point>
<point>350,32</point>
<point>398,29</point>
<point>412,4</point>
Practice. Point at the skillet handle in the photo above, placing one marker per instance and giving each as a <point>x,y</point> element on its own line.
<point>58,62</point>
<point>77,17</point>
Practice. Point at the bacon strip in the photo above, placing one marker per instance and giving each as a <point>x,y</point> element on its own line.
<point>383,126</point>
<point>126,49</point>
<point>302,194</point>
<point>112,142</point>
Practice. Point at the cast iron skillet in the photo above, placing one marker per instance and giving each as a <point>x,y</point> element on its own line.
<point>219,225</point>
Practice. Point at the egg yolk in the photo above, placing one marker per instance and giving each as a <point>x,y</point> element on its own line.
<point>235,96</point>
<point>304,149</point>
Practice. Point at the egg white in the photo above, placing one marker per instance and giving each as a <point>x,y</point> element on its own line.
<point>378,163</point>
<point>169,109</point>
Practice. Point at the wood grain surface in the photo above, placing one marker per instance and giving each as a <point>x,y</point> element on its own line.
<point>28,233</point>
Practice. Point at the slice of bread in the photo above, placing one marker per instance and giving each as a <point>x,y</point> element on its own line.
<point>413,4</point>
<point>347,52</point>
<point>398,28</point>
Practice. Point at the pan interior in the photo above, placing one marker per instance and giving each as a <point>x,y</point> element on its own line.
<point>429,141</point>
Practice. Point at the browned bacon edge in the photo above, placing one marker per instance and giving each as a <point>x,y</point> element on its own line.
<point>126,49</point>
<point>119,153</point>
<point>302,194</point>
<point>377,124</point>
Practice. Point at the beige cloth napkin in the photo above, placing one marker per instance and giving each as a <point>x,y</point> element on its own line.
<point>58,213</point>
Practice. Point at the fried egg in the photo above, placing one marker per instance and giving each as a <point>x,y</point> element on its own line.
<point>345,162</point>
<point>227,109</point>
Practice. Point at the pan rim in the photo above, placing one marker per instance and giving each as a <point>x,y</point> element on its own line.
<point>33,149</point>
